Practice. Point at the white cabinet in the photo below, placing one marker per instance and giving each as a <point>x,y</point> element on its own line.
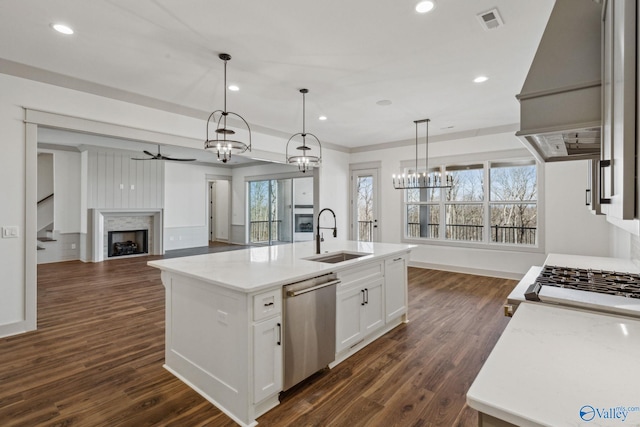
<point>267,358</point>
<point>267,344</point>
<point>395,287</point>
<point>359,312</point>
<point>373,309</point>
<point>371,300</point>
<point>359,304</point>
<point>618,161</point>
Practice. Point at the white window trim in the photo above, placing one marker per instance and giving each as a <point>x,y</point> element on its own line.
<point>486,159</point>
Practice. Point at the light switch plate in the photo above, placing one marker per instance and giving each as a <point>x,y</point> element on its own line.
<point>9,232</point>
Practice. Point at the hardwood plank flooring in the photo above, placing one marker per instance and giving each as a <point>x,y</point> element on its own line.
<point>96,358</point>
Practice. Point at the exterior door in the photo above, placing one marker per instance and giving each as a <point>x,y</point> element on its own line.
<point>270,213</point>
<point>365,205</point>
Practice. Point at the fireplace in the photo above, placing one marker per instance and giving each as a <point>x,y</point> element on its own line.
<point>304,223</point>
<point>127,242</point>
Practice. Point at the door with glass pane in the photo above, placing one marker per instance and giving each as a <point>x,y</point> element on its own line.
<point>364,205</point>
<point>270,216</point>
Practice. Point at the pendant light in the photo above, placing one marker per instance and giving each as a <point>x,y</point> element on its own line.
<point>304,156</point>
<point>415,180</point>
<point>224,142</point>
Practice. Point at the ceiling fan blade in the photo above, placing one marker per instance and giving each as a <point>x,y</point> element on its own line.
<point>153,158</point>
<point>148,153</point>
<point>178,160</point>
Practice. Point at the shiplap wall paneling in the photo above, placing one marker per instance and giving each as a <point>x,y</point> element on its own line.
<point>109,201</point>
<point>117,182</point>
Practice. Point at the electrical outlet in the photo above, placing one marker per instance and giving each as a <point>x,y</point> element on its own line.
<point>73,246</point>
<point>122,186</point>
<point>133,187</point>
<point>9,232</point>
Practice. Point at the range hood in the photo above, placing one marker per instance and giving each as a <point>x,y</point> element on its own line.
<point>560,101</point>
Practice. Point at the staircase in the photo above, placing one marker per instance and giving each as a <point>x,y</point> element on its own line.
<point>46,235</point>
<point>45,222</point>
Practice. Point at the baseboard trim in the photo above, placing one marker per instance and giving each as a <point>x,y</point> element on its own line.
<point>16,328</point>
<point>468,270</point>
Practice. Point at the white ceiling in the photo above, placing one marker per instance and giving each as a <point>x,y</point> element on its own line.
<point>349,53</point>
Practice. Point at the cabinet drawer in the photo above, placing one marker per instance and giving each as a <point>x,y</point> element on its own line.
<point>363,273</point>
<point>267,304</point>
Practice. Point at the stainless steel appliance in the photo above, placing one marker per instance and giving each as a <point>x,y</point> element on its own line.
<point>606,285</point>
<point>309,327</point>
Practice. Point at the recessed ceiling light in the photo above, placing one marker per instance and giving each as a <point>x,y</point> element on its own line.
<point>480,79</point>
<point>234,88</point>
<point>61,28</point>
<point>425,6</point>
<point>322,118</point>
<point>384,102</point>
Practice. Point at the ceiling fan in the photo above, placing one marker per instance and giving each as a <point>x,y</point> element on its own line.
<point>160,156</point>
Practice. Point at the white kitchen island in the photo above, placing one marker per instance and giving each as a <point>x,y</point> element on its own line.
<point>224,314</point>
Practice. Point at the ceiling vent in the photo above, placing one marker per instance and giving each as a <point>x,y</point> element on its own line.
<point>490,20</point>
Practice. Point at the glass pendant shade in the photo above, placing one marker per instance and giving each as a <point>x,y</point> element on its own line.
<point>223,139</point>
<point>309,154</point>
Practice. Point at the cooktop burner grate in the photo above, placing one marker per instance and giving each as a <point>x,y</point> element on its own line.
<point>600,281</point>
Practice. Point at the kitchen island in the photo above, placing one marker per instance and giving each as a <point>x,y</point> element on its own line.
<point>224,315</point>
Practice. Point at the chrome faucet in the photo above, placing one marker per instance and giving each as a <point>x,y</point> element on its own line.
<point>321,238</point>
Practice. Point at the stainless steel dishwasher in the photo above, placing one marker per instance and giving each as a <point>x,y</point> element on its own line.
<point>309,327</point>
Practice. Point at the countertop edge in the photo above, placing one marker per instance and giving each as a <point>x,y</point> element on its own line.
<point>287,279</point>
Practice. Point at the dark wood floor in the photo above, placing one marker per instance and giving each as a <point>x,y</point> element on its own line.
<point>96,358</point>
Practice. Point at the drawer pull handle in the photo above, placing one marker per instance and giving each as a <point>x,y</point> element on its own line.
<point>268,304</point>
<point>397,259</point>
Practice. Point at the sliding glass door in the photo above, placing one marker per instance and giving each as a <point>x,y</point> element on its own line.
<point>270,215</point>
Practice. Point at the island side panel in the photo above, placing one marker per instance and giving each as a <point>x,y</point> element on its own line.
<point>206,342</point>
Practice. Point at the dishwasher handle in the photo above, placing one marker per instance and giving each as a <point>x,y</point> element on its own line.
<point>312,288</point>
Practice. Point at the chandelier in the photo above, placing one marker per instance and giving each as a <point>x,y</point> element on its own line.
<point>302,157</point>
<point>416,180</point>
<point>224,143</point>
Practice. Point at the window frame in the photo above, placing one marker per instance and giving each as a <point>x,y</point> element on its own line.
<point>517,157</point>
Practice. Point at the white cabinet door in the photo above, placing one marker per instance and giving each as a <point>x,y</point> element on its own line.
<point>267,358</point>
<point>349,329</point>
<point>619,108</point>
<point>373,309</point>
<point>395,287</point>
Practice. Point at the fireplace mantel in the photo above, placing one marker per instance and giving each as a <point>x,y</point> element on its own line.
<point>98,229</point>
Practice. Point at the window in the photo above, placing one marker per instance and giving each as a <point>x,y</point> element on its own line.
<point>489,203</point>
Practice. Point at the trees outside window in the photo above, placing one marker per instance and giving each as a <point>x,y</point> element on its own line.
<point>489,202</point>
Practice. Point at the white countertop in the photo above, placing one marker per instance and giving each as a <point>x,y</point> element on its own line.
<point>594,262</point>
<point>552,362</point>
<point>258,268</point>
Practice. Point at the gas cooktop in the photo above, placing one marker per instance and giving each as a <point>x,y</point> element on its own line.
<point>599,281</point>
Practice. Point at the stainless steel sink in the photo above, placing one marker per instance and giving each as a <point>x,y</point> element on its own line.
<point>336,257</point>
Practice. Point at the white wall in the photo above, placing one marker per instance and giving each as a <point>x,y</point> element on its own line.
<point>570,227</point>
<point>67,191</point>
<point>45,174</point>
<point>185,213</point>
<point>222,209</point>
<point>334,192</point>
